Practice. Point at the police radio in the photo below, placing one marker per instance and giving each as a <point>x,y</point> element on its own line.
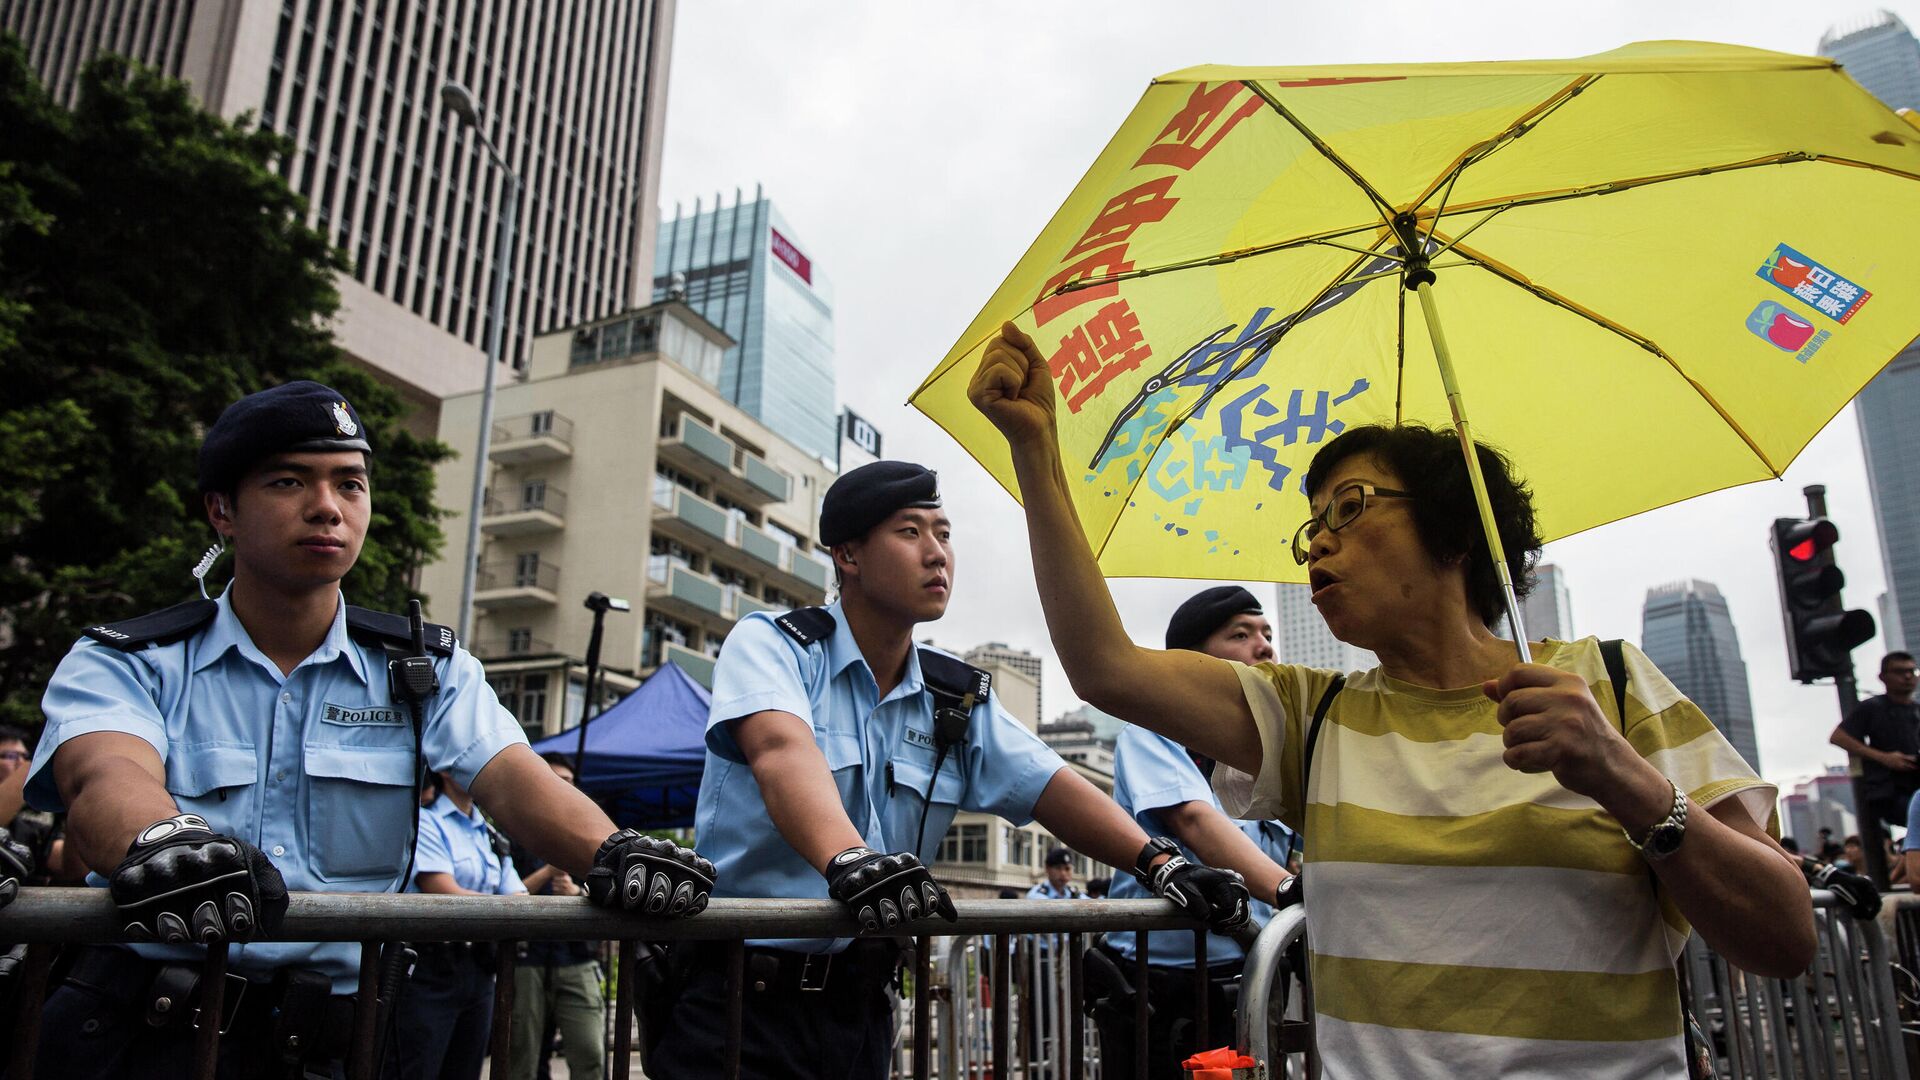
<point>413,680</point>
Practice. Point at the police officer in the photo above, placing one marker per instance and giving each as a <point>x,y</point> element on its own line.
<point>1167,790</point>
<point>837,755</point>
<point>1058,884</point>
<point>215,754</point>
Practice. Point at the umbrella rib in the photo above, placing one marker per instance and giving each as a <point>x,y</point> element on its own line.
<point>1323,239</point>
<point>1400,357</point>
<point>1319,144</point>
<point>1512,277</point>
<point>1521,126</point>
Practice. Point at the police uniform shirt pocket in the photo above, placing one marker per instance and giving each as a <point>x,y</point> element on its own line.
<point>360,799</point>
<point>911,773</point>
<point>215,781</point>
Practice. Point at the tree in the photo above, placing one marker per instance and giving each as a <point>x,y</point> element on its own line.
<point>154,267</point>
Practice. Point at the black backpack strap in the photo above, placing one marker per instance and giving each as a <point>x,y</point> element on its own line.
<point>387,631</point>
<point>806,625</point>
<point>1313,736</point>
<point>1613,653</point>
<point>957,687</point>
<point>162,627</point>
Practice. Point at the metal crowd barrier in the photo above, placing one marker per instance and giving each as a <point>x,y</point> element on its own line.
<point>1010,989</point>
<point>45,918</point>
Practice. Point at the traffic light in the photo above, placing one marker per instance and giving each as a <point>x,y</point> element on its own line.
<point>1821,632</point>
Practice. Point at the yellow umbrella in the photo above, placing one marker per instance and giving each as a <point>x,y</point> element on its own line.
<point>1661,270</point>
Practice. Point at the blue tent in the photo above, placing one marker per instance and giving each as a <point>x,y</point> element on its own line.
<point>645,754</point>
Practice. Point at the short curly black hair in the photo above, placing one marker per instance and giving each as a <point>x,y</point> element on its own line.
<point>1432,469</point>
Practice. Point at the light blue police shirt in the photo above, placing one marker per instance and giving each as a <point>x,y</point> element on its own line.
<point>313,768</point>
<point>1045,891</point>
<point>881,752</point>
<point>1150,773</point>
<point>460,846</point>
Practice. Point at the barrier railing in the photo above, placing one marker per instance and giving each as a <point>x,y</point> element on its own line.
<point>1012,987</point>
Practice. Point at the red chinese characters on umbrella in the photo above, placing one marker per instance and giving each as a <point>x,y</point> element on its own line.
<point>1109,342</point>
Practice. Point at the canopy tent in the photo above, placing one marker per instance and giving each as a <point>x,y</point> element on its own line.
<point>646,753</point>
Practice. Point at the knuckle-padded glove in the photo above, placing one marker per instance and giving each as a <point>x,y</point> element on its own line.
<point>16,866</point>
<point>883,892</point>
<point>182,882</point>
<point>1218,898</point>
<point>637,872</point>
<point>1856,891</point>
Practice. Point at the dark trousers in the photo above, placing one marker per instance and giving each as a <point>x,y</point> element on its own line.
<point>840,1033</point>
<point>95,1028</point>
<point>445,1016</point>
<point>1172,1035</point>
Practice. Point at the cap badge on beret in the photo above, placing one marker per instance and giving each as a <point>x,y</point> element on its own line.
<point>343,420</point>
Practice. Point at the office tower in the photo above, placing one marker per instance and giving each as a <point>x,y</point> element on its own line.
<point>1300,635</point>
<point>1022,695</point>
<point>1883,56</point>
<point>731,525</point>
<point>1686,631</point>
<point>1548,609</point>
<point>573,95</point>
<point>743,267</point>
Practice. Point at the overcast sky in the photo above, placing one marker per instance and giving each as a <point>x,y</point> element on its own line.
<point>918,149</point>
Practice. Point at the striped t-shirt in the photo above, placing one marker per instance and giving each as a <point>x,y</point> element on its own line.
<point>1466,919</point>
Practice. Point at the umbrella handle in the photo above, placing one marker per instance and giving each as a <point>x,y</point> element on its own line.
<point>1457,403</point>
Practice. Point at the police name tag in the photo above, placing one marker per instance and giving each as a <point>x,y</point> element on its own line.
<point>920,738</point>
<point>376,716</point>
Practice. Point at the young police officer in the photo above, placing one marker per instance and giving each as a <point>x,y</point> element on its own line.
<point>213,755</point>
<point>837,755</point>
<point>1167,789</point>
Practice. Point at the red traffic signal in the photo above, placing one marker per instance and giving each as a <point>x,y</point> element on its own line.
<point>1821,632</point>
<point>1805,541</point>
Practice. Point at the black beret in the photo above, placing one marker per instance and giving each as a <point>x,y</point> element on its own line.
<point>1206,611</point>
<point>1059,857</point>
<point>870,494</point>
<point>295,416</point>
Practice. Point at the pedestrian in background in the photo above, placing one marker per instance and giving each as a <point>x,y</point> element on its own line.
<point>1884,733</point>
<point>556,984</point>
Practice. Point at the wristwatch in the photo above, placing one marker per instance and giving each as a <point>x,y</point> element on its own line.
<point>1156,847</point>
<point>1664,838</point>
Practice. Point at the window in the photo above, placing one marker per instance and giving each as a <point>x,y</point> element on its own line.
<point>533,494</point>
<point>1020,847</point>
<point>520,640</point>
<point>526,569</point>
<point>542,423</point>
<point>964,843</point>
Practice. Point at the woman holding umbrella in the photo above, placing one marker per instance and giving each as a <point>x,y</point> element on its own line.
<point>1500,865</point>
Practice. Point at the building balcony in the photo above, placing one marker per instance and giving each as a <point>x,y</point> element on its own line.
<point>539,436</point>
<point>698,450</point>
<point>692,520</point>
<point>699,666</point>
<point>513,648</point>
<point>511,585</point>
<point>529,513</point>
<point>694,597</point>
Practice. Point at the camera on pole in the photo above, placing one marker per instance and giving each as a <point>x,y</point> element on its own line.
<point>1821,632</point>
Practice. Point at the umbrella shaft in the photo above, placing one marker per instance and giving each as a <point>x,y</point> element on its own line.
<point>1457,403</point>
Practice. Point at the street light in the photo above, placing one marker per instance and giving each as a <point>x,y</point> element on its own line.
<point>599,603</point>
<point>458,102</point>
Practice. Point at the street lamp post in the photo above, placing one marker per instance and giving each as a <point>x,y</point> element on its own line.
<point>599,603</point>
<point>456,100</point>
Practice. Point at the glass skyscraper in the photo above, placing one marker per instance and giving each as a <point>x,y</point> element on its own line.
<point>1686,631</point>
<point>743,269</point>
<point>1300,634</point>
<point>1884,57</point>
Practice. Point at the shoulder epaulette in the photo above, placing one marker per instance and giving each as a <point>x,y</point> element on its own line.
<point>806,625</point>
<point>385,630</point>
<point>156,627</point>
<point>955,678</point>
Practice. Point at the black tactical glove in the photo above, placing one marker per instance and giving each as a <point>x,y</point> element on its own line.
<point>16,866</point>
<point>1217,897</point>
<point>1289,893</point>
<point>1854,890</point>
<point>645,873</point>
<point>183,882</point>
<point>885,891</point>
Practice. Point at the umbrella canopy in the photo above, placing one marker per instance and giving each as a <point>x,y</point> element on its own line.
<point>645,754</point>
<point>1660,270</point>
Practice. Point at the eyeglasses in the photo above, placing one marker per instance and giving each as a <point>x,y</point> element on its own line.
<point>15,756</point>
<point>1348,503</point>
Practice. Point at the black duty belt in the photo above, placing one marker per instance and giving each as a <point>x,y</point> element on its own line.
<point>296,1013</point>
<point>867,964</point>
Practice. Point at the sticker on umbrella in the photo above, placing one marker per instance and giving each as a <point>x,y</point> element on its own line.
<point>1820,288</point>
<point>1772,323</point>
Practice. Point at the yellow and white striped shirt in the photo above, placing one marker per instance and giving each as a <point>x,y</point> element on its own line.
<point>1467,920</point>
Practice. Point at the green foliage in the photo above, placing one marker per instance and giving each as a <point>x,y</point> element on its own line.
<point>154,267</point>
